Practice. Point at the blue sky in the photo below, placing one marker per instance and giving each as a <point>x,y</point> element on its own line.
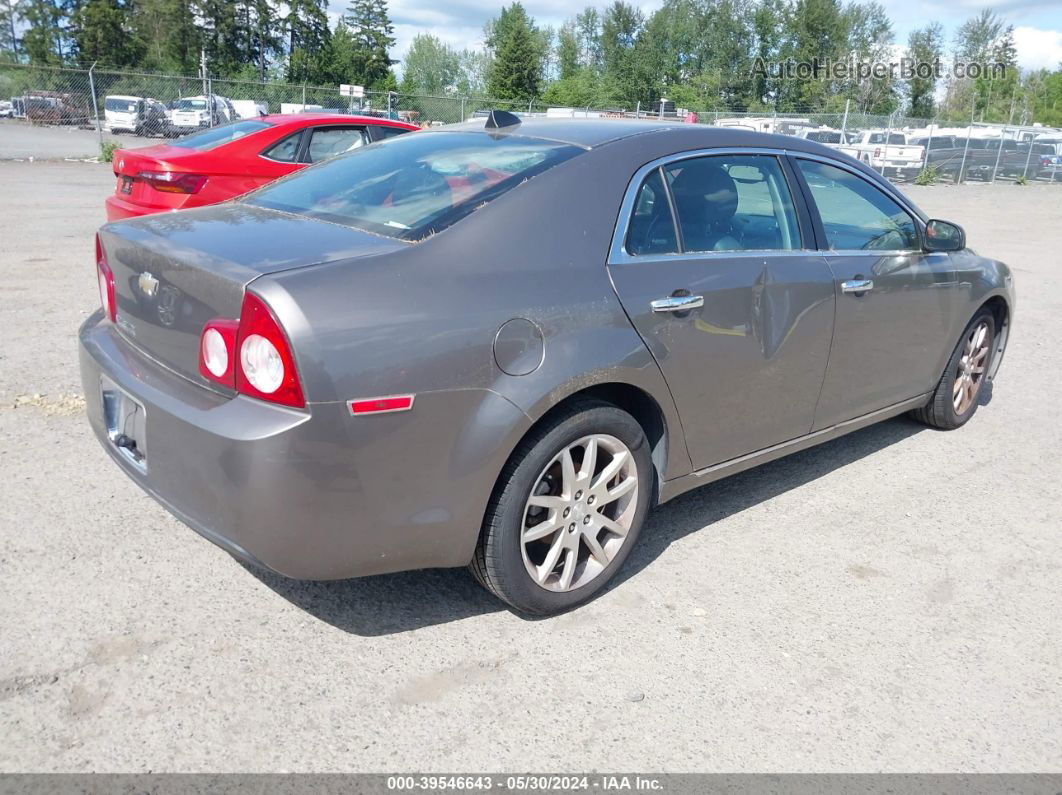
<point>1037,23</point>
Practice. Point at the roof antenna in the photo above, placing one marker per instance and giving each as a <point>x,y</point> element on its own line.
<point>501,118</point>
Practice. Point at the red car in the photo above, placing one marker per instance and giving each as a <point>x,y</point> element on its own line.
<point>223,162</point>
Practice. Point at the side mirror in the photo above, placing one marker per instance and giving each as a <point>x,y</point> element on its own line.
<point>944,236</point>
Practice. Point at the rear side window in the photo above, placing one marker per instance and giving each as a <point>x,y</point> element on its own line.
<point>651,230</point>
<point>286,149</point>
<point>414,185</point>
<point>383,131</point>
<point>218,136</point>
<point>326,142</point>
<point>733,203</point>
<point>856,215</point>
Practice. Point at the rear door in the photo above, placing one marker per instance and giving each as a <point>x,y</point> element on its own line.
<point>714,262</point>
<point>330,140</point>
<point>894,302</point>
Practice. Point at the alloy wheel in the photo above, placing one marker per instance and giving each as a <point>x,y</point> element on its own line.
<point>971,369</point>
<point>579,513</point>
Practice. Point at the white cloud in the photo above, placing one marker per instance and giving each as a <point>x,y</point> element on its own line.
<point>1038,49</point>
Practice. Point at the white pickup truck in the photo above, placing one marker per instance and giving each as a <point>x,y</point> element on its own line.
<point>886,152</point>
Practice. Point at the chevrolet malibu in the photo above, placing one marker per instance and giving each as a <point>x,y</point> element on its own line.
<point>498,345</point>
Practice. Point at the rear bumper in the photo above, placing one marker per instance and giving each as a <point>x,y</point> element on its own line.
<point>309,494</point>
<point>118,208</point>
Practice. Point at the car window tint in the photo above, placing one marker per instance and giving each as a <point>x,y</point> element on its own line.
<point>855,214</point>
<point>413,186</point>
<point>218,136</point>
<point>326,142</point>
<point>286,149</point>
<point>733,203</point>
<point>651,229</point>
<point>384,132</point>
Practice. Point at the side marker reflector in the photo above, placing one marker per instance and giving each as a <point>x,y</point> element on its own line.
<point>381,405</point>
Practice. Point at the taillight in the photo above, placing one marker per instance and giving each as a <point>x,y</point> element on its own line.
<point>173,181</point>
<point>251,355</point>
<point>217,346</point>
<point>105,278</point>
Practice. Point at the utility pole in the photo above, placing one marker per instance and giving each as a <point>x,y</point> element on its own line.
<point>95,107</point>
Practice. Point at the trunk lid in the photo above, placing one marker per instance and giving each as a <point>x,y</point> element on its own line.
<point>127,163</point>
<point>175,271</point>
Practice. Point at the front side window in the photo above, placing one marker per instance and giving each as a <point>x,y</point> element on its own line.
<point>413,186</point>
<point>733,203</point>
<point>856,215</point>
<point>326,142</point>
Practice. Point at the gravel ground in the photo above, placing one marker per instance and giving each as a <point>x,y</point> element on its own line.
<point>886,602</point>
<point>20,140</point>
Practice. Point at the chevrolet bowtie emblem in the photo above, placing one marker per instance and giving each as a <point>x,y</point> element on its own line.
<point>149,285</point>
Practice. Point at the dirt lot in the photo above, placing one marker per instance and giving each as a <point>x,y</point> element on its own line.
<point>20,140</point>
<point>887,602</point>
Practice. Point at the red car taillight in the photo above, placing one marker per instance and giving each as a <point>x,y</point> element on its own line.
<point>173,181</point>
<point>251,355</point>
<point>105,278</point>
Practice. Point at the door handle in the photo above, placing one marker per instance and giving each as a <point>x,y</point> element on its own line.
<point>857,286</point>
<point>677,303</point>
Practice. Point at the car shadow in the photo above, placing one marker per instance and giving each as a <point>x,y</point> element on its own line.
<point>393,603</point>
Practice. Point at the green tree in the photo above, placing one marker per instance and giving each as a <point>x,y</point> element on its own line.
<point>307,31</point>
<point>169,34</point>
<point>41,39</point>
<point>567,51</point>
<point>924,46</point>
<point>516,68</point>
<point>101,34</point>
<point>373,35</point>
<point>10,13</point>
<point>430,67</point>
<point>621,25</point>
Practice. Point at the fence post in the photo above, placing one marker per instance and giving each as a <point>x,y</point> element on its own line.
<point>999,152</point>
<point>211,102</point>
<point>303,97</point>
<point>929,144</point>
<point>965,149</point>
<point>1028,157</point>
<point>95,107</point>
<point>844,121</point>
<point>462,109</point>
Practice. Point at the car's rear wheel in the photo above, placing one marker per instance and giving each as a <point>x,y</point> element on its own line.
<point>567,510</point>
<point>955,399</point>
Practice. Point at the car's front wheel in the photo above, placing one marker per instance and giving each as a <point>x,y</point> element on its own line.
<point>567,510</point>
<point>956,397</point>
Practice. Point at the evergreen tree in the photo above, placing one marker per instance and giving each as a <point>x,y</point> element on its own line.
<point>567,51</point>
<point>516,68</point>
<point>373,32</point>
<point>10,11</point>
<point>924,46</point>
<point>307,29</point>
<point>430,67</point>
<point>101,34</point>
<point>41,38</point>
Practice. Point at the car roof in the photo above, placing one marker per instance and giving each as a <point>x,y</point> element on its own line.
<point>317,118</point>
<point>590,133</point>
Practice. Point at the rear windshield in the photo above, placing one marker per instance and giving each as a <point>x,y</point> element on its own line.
<point>190,104</point>
<point>216,136</point>
<point>412,186</point>
<point>879,138</point>
<point>120,105</point>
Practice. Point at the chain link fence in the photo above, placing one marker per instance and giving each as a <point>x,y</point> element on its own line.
<point>110,103</point>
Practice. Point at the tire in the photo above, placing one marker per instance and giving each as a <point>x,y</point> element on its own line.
<point>946,409</point>
<point>503,562</point>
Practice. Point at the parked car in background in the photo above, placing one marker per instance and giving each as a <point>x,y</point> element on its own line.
<point>889,153</point>
<point>824,135</point>
<point>56,107</point>
<point>137,115</point>
<point>7,109</point>
<point>219,163</point>
<point>193,113</point>
<point>500,346</point>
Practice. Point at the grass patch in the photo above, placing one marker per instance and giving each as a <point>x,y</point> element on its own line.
<point>927,176</point>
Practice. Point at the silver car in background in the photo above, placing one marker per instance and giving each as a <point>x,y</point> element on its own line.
<point>498,345</point>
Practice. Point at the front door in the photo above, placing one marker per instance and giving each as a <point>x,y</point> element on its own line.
<point>894,302</point>
<point>713,268</point>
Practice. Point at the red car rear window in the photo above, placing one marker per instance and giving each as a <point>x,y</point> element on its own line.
<point>218,136</point>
